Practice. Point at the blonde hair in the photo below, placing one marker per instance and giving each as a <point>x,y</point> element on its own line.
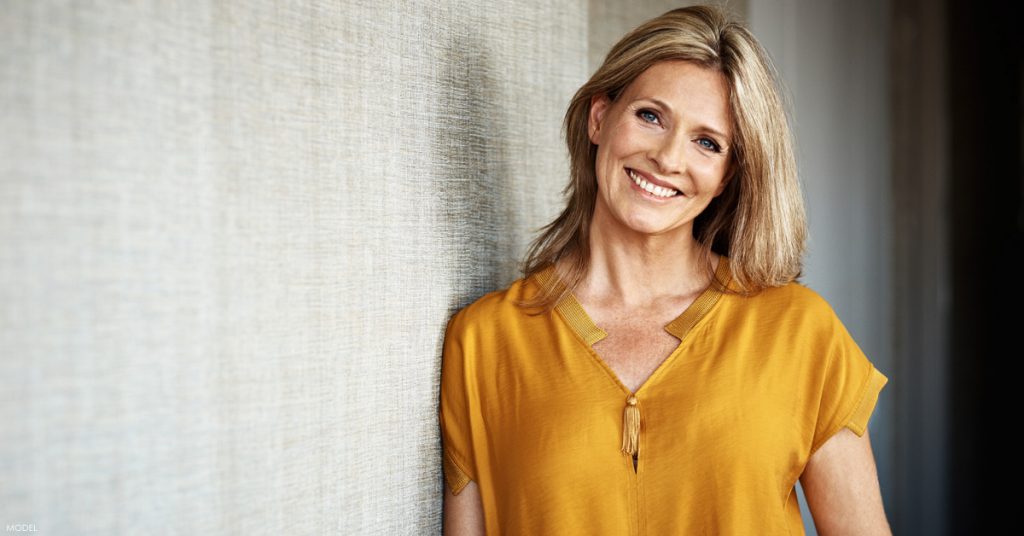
<point>758,221</point>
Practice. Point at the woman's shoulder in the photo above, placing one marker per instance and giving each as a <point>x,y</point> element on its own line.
<point>794,299</point>
<point>799,294</point>
<point>493,308</point>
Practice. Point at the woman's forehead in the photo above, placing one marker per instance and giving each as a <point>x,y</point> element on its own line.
<point>680,87</point>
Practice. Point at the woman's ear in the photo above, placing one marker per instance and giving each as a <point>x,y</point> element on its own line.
<point>598,106</point>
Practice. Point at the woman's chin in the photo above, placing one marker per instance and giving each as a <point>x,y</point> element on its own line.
<point>647,227</point>
<point>639,220</point>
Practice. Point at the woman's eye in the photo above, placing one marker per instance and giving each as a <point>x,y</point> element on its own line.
<point>645,114</point>
<point>707,143</point>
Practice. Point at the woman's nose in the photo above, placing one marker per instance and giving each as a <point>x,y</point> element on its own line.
<point>669,153</point>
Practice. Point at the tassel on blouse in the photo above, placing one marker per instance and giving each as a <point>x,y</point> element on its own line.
<point>630,427</point>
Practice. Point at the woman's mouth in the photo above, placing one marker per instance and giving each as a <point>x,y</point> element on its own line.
<point>653,190</point>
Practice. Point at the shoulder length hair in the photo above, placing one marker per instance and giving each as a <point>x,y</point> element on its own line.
<point>758,221</point>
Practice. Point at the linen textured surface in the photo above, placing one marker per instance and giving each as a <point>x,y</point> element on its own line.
<point>232,233</point>
<point>728,420</point>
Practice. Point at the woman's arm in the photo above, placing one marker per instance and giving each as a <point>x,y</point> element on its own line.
<point>840,483</point>
<point>463,513</point>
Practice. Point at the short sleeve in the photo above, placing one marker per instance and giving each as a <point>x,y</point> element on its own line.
<point>456,409</point>
<point>849,388</point>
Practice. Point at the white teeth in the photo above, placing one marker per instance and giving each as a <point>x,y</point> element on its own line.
<point>651,188</point>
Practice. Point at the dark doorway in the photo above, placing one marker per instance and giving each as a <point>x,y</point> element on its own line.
<point>987,186</point>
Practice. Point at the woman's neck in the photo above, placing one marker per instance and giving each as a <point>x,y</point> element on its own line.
<point>634,270</point>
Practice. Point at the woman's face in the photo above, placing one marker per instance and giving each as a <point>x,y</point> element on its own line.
<point>671,128</point>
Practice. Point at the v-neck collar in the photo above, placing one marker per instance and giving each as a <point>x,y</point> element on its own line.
<point>584,326</point>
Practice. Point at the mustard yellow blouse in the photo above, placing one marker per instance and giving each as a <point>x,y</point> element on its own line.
<point>721,430</point>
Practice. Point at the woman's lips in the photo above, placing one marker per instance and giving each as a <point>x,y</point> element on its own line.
<point>652,180</point>
<point>649,180</point>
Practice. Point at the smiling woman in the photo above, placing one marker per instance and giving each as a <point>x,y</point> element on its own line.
<point>659,164</point>
<point>659,369</point>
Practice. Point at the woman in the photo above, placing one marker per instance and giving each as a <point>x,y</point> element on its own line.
<point>659,369</point>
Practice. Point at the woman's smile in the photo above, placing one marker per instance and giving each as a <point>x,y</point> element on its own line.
<point>650,190</point>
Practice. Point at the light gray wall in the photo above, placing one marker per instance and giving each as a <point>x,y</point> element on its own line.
<point>232,233</point>
<point>833,57</point>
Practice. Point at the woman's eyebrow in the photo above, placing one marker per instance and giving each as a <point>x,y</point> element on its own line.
<point>668,108</point>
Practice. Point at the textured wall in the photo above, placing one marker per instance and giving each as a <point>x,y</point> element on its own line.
<point>232,233</point>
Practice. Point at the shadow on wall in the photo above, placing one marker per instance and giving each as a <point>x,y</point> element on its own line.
<point>473,177</point>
